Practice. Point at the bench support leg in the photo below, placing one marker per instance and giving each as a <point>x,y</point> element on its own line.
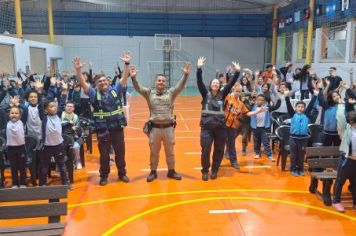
<point>313,185</point>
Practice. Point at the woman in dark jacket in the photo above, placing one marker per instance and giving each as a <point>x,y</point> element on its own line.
<point>213,129</point>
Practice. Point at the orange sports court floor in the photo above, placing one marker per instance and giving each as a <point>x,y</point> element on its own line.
<point>260,199</point>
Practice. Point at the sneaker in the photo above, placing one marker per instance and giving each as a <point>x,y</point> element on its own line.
<point>103,181</point>
<point>339,207</point>
<point>15,186</point>
<point>23,186</point>
<point>174,175</point>
<point>301,173</point>
<point>271,158</point>
<point>294,173</point>
<point>79,166</point>
<point>152,176</point>
<point>257,156</point>
<point>235,165</point>
<point>69,187</point>
<point>124,178</point>
<point>205,177</point>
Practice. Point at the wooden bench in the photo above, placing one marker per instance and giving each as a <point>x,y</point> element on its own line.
<point>54,209</point>
<point>323,163</point>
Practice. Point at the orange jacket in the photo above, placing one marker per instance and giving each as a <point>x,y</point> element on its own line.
<point>234,108</point>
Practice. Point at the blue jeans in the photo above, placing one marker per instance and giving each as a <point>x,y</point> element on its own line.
<point>346,170</point>
<point>260,135</point>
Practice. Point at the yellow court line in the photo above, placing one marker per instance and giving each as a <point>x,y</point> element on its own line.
<point>185,192</point>
<point>139,215</point>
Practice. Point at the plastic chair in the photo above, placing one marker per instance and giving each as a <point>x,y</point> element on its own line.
<point>283,133</point>
<point>316,135</point>
<point>2,161</point>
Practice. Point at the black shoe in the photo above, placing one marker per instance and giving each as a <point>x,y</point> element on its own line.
<point>235,165</point>
<point>124,178</point>
<point>152,176</point>
<point>174,175</point>
<point>213,175</point>
<point>103,181</point>
<point>205,177</point>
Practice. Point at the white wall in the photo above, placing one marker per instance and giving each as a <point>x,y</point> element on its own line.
<point>104,52</point>
<point>22,51</point>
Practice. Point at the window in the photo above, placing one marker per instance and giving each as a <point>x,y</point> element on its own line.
<point>302,45</point>
<point>333,43</point>
<point>289,47</point>
<point>285,47</point>
<point>7,65</point>
<point>268,50</point>
<point>38,60</point>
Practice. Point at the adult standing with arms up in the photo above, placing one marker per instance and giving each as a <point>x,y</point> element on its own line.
<point>109,118</point>
<point>213,129</point>
<point>161,104</point>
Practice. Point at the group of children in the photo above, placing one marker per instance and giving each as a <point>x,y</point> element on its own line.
<point>247,109</point>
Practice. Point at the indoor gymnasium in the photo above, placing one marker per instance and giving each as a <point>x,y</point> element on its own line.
<point>167,117</point>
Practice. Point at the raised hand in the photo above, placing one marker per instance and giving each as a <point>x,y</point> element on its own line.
<point>187,68</point>
<point>64,86</point>
<point>319,85</point>
<point>236,66</point>
<point>15,100</point>
<point>133,71</point>
<point>77,64</point>
<point>38,85</point>
<point>286,92</point>
<point>90,65</point>
<point>126,57</point>
<point>201,62</point>
<point>53,81</point>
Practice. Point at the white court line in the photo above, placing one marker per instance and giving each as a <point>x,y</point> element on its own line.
<point>176,138</point>
<point>227,211</point>
<point>246,167</point>
<point>185,123</point>
<point>192,153</point>
<point>97,171</point>
<point>256,167</point>
<point>159,169</point>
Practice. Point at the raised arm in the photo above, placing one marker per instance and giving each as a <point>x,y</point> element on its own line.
<point>78,68</point>
<point>231,82</point>
<point>311,103</point>
<point>290,108</point>
<point>186,69</point>
<point>201,86</point>
<point>140,89</point>
<point>126,58</point>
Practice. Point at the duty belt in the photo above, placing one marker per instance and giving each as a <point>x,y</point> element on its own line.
<point>101,114</point>
<point>162,126</point>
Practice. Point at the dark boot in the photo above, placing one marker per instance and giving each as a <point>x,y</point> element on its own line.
<point>174,175</point>
<point>152,176</point>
